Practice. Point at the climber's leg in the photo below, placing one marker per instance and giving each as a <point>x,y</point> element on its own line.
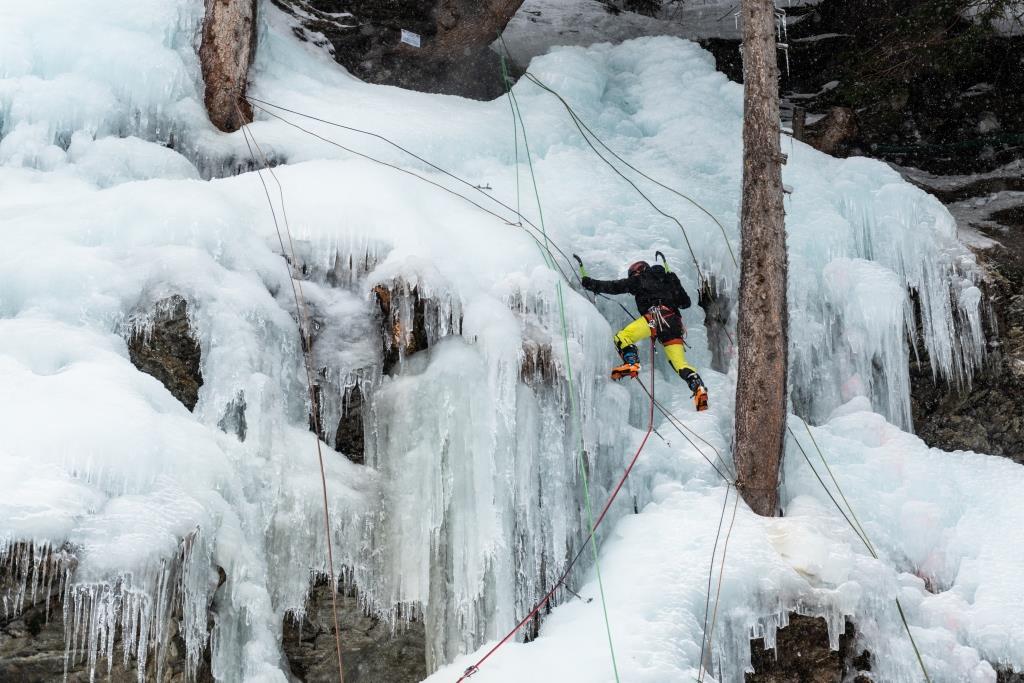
<point>671,338</point>
<point>625,343</point>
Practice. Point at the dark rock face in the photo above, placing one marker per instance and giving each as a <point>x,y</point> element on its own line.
<point>402,335</point>
<point>931,89</point>
<point>32,632</point>
<point>802,655</point>
<point>717,309</point>
<point>453,58</point>
<point>33,646</point>
<point>371,651</point>
<point>988,417</point>
<point>169,350</point>
<point>409,322</point>
<point>32,651</point>
<point>350,437</point>
<point>538,364</point>
<point>233,421</point>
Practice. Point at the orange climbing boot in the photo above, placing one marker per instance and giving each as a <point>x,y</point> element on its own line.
<point>700,399</point>
<point>630,363</point>
<point>696,384</point>
<point>625,370</point>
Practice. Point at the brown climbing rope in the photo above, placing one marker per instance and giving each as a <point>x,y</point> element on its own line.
<point>304,327</point>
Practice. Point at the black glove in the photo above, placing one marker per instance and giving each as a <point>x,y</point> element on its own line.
<point>588,283</point>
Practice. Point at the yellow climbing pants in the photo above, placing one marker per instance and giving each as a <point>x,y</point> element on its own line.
<point>670,335</point>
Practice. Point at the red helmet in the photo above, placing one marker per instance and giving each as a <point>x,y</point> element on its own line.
<point>638,267</point>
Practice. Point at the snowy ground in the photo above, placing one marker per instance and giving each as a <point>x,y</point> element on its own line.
<point>953,184</point>
<point>976,212</point>
<point>103,216</point>
<point>972,199</point>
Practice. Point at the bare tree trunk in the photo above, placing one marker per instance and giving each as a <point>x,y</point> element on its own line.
<point>468,25</point>
<point>226,52</point>
<point>763,316</point>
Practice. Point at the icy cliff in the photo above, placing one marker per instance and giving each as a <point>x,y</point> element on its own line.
<point>471,500</point>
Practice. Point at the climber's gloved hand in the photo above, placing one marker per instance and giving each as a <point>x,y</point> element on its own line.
<point>588,283</point>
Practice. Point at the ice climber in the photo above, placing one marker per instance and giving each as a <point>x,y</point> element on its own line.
<point>659,296</point>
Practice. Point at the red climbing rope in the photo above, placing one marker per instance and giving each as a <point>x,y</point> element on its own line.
<point>474,668</point>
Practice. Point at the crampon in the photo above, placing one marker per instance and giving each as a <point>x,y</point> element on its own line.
<point>700,399</point>
<point>625,370</point>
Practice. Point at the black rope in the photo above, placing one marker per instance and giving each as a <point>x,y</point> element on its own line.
<point>672,420</point>
<point>583,129</point>
<point>523,221</point>
<point>580,123</point>
<point>693,255</point>
<point>861,534</point>
<point>705,641</point>
<point>257,103</point>
<point>856,530</point>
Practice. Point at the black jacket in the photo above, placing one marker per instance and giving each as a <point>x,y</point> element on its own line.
<point>651,287</point>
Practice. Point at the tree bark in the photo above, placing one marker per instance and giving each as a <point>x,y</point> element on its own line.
<point>763,315</point>
<point>469,25</point>
<point>226,53</point>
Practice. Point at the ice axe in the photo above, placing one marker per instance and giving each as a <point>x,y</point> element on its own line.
<point>664,261</point>
<point>583,271</point>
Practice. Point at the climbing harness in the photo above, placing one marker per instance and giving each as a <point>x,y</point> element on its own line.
<point>656,320</point>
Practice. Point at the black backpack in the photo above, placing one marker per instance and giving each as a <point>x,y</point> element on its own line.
<point>668,286</point>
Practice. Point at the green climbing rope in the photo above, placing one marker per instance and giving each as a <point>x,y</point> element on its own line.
<point>515,129</point>
<point>576,418</point>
